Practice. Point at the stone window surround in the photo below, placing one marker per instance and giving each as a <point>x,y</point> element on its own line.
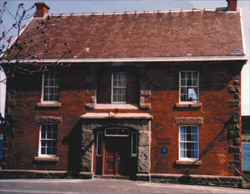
<point>141,122</point>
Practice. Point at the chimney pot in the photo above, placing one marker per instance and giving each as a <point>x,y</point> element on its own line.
<point>231,5</point>
<point>41,9</point>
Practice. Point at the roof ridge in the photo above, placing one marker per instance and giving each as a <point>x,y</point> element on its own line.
<point>140,12</point>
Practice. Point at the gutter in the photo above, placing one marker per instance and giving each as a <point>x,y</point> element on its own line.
<point>132,59</point>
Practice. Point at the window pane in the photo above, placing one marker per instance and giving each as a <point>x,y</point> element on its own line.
<point>182,129</point>
<point>43,151</point>
<point>43,143</point>
<point>195,138</point>
<point>53,151</point>
<point>195,130</point>
<point>182,154</point>
<point>183,82</point>
<point>195,75</point>
<point>182,146</point>
<point>196,146</point>
<point>122,131</point>
<point>195,154</point>
<point>182,137</point>
<point>111,131</point>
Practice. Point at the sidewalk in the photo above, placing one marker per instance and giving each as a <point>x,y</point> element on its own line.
<point>96,186</point>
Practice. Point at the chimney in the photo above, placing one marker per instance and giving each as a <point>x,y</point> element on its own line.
<point>231,5</point>
<point>41,9</point>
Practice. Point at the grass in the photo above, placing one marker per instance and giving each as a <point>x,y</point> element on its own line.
<point>246,136</point>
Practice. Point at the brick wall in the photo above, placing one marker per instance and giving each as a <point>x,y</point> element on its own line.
<point>161,83</point>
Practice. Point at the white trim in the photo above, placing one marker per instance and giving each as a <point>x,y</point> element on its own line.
<point>93,115</point>
<point>133,59</point>
<point>242,32</point>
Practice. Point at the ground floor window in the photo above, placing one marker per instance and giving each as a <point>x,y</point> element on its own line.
<point>48,140</point>
<point>189,143</point>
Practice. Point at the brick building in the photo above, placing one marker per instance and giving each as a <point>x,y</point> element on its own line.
<point>147,95</point>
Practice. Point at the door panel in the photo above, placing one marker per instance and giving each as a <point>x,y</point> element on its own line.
<point>110,156</point>
<point>116,155</point>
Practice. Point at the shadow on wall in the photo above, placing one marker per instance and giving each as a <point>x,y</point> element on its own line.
<point>74,141</point>
<point>220,137</point>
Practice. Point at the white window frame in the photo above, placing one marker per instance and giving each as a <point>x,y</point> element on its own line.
<point>180,86</point>
<point>186,158</point>
<point>97,143</point>
<point>116,87</point>
<point>43,88</point>
<point>40,141</point>
<point>134,154</point>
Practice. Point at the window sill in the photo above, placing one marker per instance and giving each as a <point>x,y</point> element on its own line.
<point>188,162</point>
<point>115,106</point>
<point>44,104</point>
<point>46,159</point>
<point>180,105</point>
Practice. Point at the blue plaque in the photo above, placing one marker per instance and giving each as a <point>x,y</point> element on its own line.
<point>164,150</point>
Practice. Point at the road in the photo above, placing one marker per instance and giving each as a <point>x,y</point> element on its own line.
<point>96,186</point>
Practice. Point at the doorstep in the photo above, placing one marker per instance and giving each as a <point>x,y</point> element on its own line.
<point>111,177</point>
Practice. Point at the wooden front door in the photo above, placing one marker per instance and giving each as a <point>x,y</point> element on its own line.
<point>116,156</point>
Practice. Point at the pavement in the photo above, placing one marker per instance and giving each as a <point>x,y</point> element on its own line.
<point>98,186</point>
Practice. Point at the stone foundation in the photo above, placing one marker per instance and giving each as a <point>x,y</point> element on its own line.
<point>228,181</point>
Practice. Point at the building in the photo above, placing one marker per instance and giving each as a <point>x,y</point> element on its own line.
<point>147,95</point>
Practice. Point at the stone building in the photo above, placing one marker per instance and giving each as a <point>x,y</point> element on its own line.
<point>147,95</point>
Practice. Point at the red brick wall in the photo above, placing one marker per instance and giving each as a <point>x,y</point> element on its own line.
<point>213,134</point>
<point>163,81</point>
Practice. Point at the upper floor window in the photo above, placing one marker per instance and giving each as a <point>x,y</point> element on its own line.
<point>189,87</point>
<point>188,143</point>
<point>50,87</point>
<point>119,87</point>
<point>48,140</point>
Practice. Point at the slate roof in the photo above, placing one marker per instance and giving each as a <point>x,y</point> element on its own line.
<point>158,34</point>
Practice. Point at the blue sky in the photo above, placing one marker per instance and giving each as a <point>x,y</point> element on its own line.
<point>89,6</point>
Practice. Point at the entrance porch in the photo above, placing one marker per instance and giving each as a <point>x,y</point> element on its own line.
<point>116,145</point>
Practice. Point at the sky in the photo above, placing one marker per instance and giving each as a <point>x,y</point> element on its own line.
<point>97,6</point>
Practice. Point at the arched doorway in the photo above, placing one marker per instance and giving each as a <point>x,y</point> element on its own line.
<point>116,151</point>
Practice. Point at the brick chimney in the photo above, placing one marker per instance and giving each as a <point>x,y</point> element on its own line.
<point>231,5</point>
<point>41,9</point>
